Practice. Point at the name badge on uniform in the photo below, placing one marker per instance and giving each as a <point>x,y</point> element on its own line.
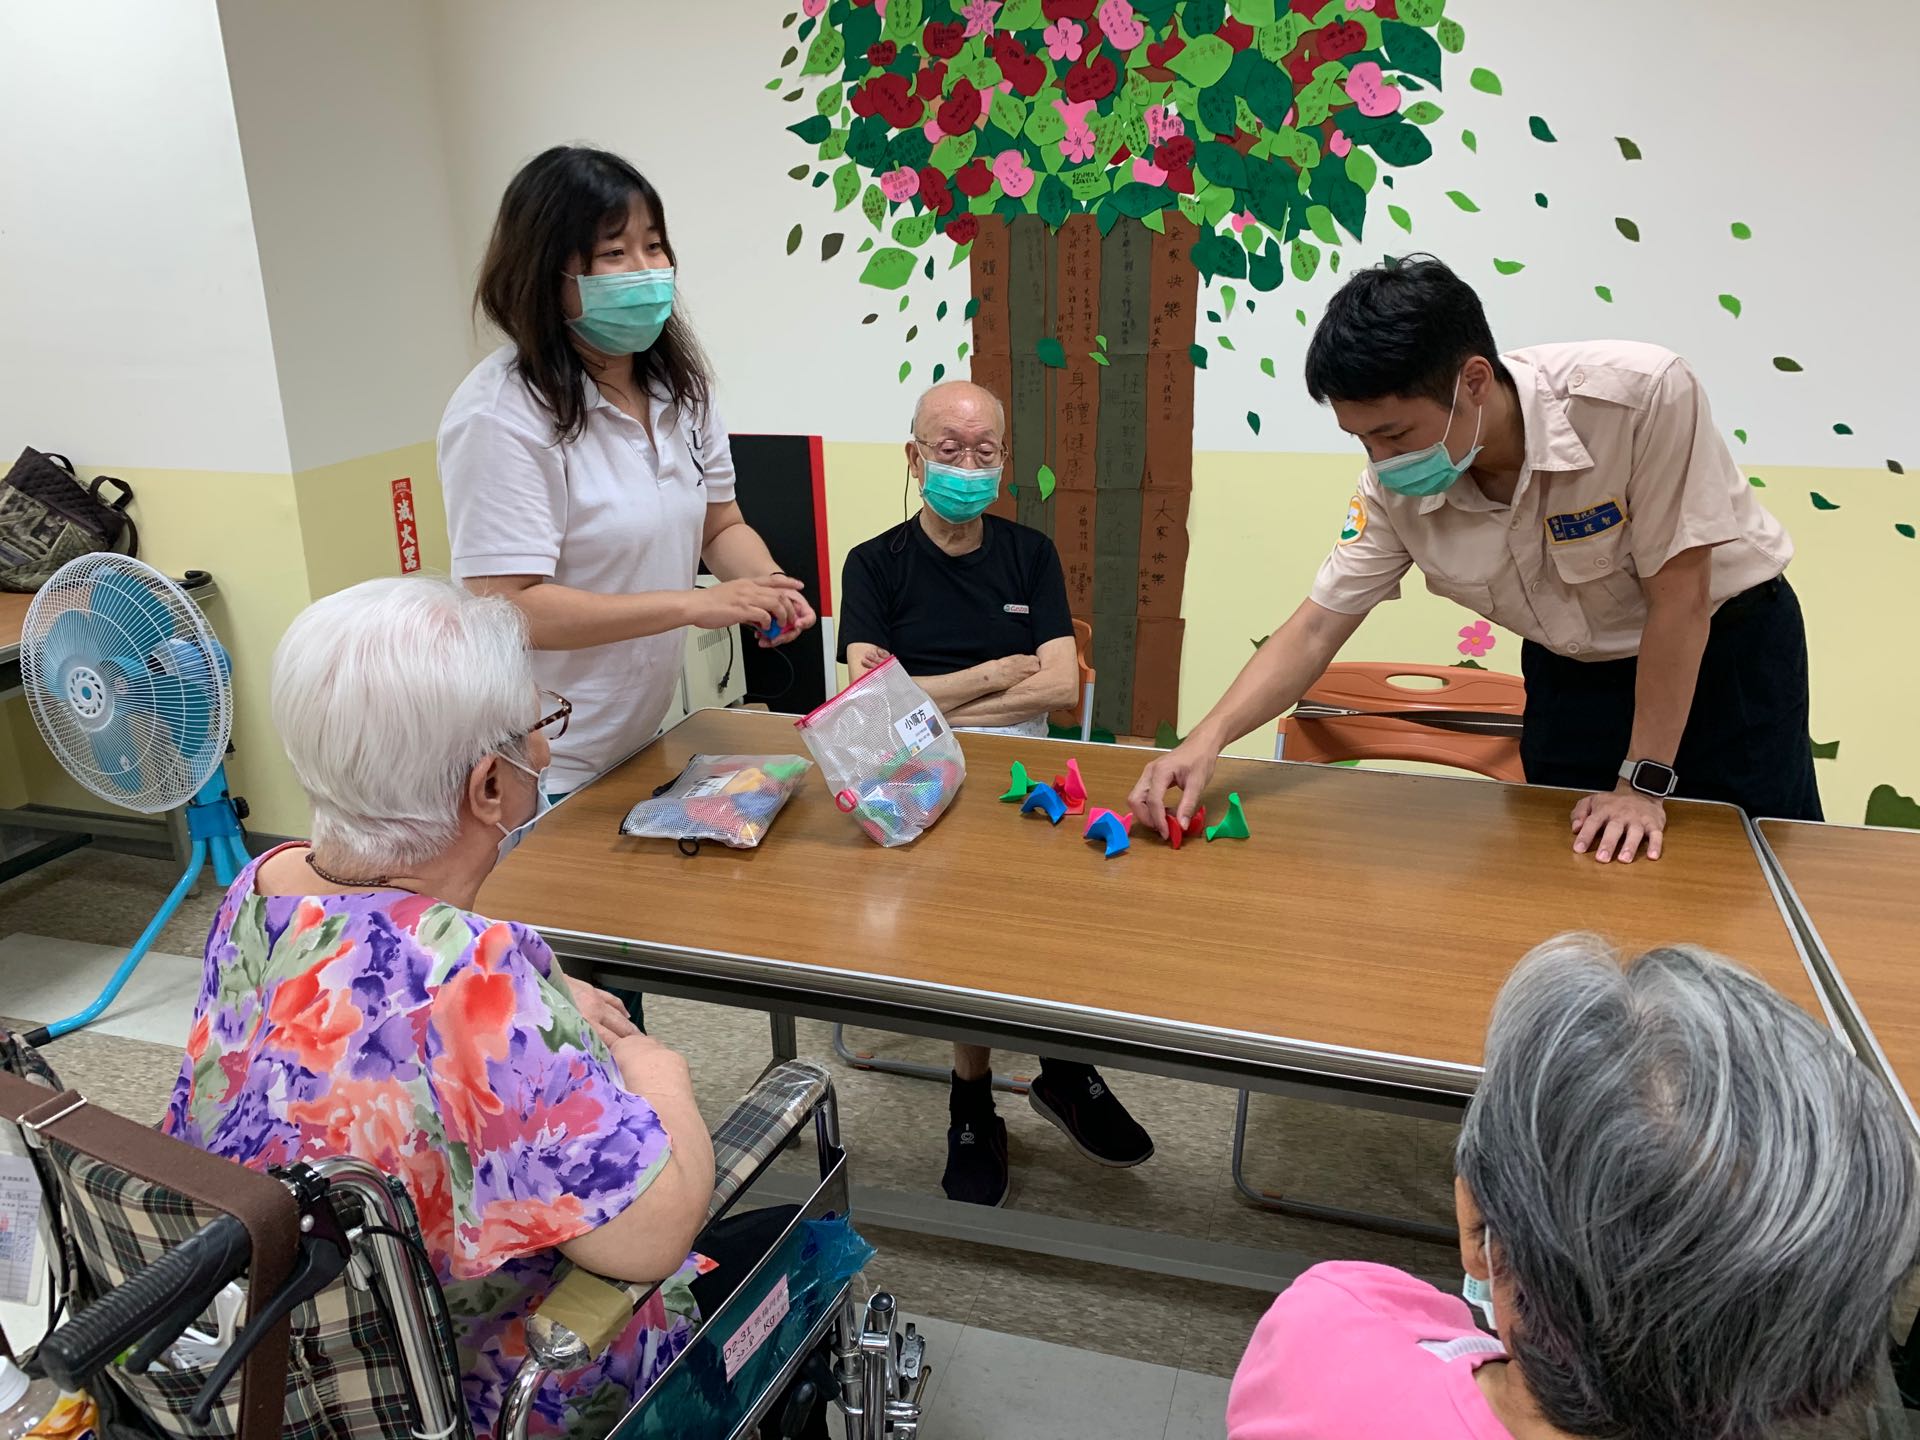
<point>1583,524</point>
<point>1016,609</point>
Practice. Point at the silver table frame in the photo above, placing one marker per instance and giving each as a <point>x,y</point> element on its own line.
<point>1245,1060</point>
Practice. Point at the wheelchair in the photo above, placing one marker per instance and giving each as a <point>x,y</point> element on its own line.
<point>345,1334</point>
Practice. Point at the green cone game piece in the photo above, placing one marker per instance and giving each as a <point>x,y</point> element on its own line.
<point>1021,787</point>
<point>1233,825</point>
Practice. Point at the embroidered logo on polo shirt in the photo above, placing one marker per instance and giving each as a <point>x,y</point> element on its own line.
<point>1582,524</point>
<point>1016,609</point>
<point>1356,525</point>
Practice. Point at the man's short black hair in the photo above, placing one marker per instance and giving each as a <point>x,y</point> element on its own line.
<point>1402,328</point>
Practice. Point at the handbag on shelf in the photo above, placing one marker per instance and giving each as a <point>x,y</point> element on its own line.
<point>47,517</point>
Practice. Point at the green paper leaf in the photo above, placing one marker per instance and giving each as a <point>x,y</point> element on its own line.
<point>1321,97</point>
<point>1010,114</point>
<point>971,309</point>
<point>940,311</point>
<point>1086,184</point>
<point>1045,126</point>
<point>1214,255</point>
<point>1204,61</point>
<point>1731,304</point>
<point>825,54</point>
<point>1223,342</point>
<point>1831,750</point>
<point>1401,145</point>
<point>1485,81</point>
<point>1301,316</point>
<point>914,230</point>
<point>1841,428</point>
<point>1021,15</point>
<point>1305,258</point>
<point>902,23</point>
<point>773,84</point>
<point>1628,150</point>
<point>828,101</point>
<point>798,172</point>
<point>813,129</point>
<point>1470,140</point>
<point>1422,112</point>
<point>1418,12</point>
<point>1097,358</point>
<point>888,268</point>
<point>1458,665</point>
<point>1052,354</point>
<point>1904,529</point>
<point>1229,295</point>
<point>835,145</point>
<point>1626,227</point>
<point>830,245</point>
<point>1254,14</point>
<point>846,185</point>
<point>1198,354</point>
<point>1509,267</point>
<point>1540,130</point>
<point>1453,36</point>
<point>793,239</point>
<point>1742,231</point>
<point>1046,481</point>
<point>1253,422</point>
<point>1266,90</point>
<point>1604,293</point>
<point>913,332</point>
<point>1400,217</point>
<point>961,353</point>
<point>905,300</point>
<point>953,152</point>
<point>873,205</point>
<point>1276,41</point>
<point>1540,199</point>
<point>1756,482</point>
<point>1266,366</point>
<point>1821,502</point>
<point>1411,50</point>
<point>1741,435</point>
<point>906,369</point>
<point>1221,164</point>
<point>1896,467</point>
<point>1463,202</point>
<point>1320,221</point>
<point>1055,202</point>
<point>1361,169</point>
<point>1887,806</point>
<point>1267,269</point>
<point>1139,199</point>
<point>1787,363</point>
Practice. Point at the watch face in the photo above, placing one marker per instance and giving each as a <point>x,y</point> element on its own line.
<point>1650,777</point>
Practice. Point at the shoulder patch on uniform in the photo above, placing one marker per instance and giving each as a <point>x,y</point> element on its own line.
<point>1582,524</point>
<point>1356,525</point>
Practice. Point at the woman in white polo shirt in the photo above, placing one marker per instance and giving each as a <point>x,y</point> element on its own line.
<point>585,469</point>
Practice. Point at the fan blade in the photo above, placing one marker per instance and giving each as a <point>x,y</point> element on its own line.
<point>185,709</point>
<point>144,619</point>
<point>116,754</point>
<point>72,636</point>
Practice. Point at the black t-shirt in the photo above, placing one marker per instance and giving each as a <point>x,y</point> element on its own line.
<point>938,613</point>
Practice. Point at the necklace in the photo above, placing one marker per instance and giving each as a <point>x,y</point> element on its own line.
<point>378,882</point>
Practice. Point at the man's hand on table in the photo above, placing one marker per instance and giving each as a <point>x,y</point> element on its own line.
<point>1613,825</point>
<point>1187,767</point>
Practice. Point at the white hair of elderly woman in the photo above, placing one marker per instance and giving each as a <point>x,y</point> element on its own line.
<point>1702,1201</point>
<point>385,695</point>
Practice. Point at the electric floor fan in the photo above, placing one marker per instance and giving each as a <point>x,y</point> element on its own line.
<point>131,691</point>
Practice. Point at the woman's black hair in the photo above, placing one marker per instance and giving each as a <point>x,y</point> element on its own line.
<point>1402,328</point>
<point>562,204</point>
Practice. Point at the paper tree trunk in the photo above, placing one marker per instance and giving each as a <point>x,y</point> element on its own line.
<point>1117,436</point>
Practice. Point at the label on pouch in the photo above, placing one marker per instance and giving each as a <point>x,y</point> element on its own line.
<point>919,728</point>
<point>759,1326</point>
<point>20,1262</point>
<point>712,785</point>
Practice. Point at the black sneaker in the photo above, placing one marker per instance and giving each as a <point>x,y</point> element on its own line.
<point>1077,1100</point>
<point>977,1169</point>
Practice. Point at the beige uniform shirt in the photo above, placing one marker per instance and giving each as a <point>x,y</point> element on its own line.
<point>1624,470</point>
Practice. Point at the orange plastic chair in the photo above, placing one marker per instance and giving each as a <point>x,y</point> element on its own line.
<point>1325,727</point>
<point>1083,717</point>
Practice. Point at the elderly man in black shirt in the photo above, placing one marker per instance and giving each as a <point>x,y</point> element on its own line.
<point>975,608</point>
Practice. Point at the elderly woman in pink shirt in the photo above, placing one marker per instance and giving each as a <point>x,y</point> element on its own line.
<point>1686,1206</point>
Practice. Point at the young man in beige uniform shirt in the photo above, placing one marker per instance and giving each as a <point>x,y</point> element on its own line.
<point>1579,495</point>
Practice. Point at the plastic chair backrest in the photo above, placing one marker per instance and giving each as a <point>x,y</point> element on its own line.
<point>1371,686</point>
<point>1083,643</point>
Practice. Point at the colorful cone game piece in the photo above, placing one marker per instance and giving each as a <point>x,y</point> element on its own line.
<point>1021,785</point>
<point>1043,799</point>
<point>1072,789</point>
<point>1108,828</point>
<point>1176,832</point>
<point>1126,820</point>
<point>1234,825</point>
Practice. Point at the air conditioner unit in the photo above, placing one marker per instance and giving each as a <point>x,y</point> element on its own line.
<point>712,672</point>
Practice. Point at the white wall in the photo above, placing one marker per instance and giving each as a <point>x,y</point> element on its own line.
<point>1737,113</point>
<point>341,131</point>
<point>130,297</point>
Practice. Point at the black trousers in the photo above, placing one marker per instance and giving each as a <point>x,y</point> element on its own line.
<point>1746,742</point>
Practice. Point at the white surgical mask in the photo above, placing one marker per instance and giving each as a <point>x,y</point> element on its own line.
<point>511,838</point>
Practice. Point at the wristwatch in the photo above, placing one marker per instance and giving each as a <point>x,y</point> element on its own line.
<point>1650,777</point>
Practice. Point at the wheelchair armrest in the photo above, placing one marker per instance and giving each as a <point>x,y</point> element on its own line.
<point>584,1313</point>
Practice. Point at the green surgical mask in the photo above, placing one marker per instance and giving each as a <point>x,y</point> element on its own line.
<point>624,313</point>
<point>957,495</point>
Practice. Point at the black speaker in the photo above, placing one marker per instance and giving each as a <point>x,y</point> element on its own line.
<point>781,485</point>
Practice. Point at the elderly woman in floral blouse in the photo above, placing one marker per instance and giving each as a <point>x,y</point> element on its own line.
<point>353,1003</point>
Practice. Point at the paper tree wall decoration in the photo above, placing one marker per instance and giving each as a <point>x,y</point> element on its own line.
<point>1092,161</point>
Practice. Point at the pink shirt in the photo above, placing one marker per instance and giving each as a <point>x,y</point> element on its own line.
<point>1364,1352</point>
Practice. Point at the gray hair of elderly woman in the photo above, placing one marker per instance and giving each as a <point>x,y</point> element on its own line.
<point>1703,1203</point>
<point>385,695</point>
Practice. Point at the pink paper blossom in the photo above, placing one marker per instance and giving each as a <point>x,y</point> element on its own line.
<point>1163,124</point>
<point>813,7</point>
<point>1338,144</point>
<point>1077,146</point>
<point>1477,639</point>
<point>979,16</point>
<point>1063,39</point>
<point>1013,173</point>
<point>901,184</point>
<point>1368,89</point>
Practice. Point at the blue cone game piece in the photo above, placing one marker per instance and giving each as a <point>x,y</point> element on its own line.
<point>1109,829</point>
<point>1046,800</point>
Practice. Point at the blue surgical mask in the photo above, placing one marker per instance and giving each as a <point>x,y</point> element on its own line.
<point>511,838</point>
<point>1429,471</point>
<point>1479,1293</point>
<point>624,313</point>
<point>957,495</point>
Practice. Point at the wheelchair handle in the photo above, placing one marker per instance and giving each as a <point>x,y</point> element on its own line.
<point>189,1275</point>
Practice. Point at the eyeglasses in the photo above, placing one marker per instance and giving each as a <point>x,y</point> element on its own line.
<point>986,454</point>
<point>562,713</point>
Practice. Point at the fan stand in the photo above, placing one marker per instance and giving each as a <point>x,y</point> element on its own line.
<point>214,829</point>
